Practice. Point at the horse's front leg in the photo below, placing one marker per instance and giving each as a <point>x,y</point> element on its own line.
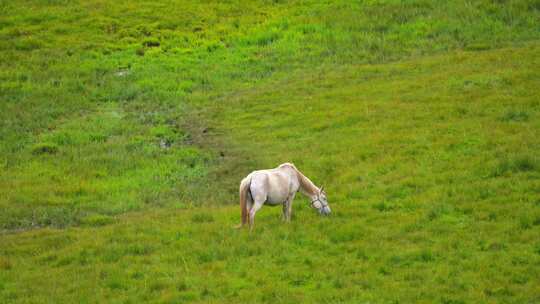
<point>287,207</point>
<point>285,210</point>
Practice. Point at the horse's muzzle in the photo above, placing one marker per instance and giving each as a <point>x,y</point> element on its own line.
<point>325,211</point>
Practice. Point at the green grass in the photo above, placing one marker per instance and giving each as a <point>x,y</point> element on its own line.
<point>125,128</point>
<point>360,254</point>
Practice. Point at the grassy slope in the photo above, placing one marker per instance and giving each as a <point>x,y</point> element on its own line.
<point>428,151</point>
<point>133,70</point>
<point>85,116</point>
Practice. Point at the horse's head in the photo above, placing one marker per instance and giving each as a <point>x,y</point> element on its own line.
<point>320,202</point>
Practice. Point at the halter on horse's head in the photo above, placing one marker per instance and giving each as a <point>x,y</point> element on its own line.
<point>320,202</point>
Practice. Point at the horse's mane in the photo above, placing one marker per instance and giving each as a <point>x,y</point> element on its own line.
<point>305,183</point>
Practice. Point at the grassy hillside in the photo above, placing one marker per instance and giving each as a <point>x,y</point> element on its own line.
<point>125,128</point>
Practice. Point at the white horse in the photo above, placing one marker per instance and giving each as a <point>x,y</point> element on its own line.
<point>278,186</point>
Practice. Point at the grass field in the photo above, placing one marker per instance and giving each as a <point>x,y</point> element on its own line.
<point>126,127</point>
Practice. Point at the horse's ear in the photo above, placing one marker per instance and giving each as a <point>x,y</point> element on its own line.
<point>321,190</point>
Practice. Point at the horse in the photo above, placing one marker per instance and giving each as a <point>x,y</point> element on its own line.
<point>278,186</point>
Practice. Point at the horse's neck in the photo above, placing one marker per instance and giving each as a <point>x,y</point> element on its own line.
<point>307,187</point>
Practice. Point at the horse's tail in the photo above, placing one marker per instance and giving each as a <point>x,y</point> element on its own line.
<point>244,188</point>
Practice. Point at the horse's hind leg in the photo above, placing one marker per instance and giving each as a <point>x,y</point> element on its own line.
<point>249,203</point>
<point>256,206</point>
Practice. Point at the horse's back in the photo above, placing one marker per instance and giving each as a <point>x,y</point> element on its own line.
<point>274,184</point>
<point>285,170</point>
